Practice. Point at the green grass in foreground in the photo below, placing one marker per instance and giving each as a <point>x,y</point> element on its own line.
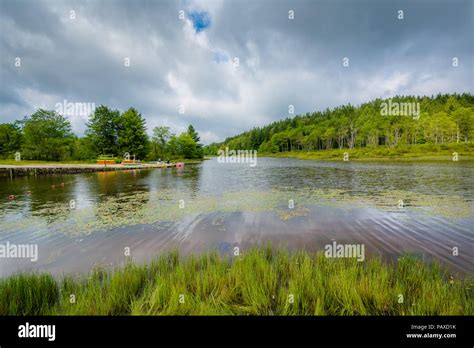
<point>259,283</point>
<point>425,152</point>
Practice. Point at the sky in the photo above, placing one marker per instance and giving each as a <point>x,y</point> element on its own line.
<point>228,66</point>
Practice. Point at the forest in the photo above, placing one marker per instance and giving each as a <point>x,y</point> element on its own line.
<point>47,136</point>
<point>441,119</point>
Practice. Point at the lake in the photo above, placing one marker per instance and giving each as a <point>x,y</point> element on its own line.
<point>85,220</point>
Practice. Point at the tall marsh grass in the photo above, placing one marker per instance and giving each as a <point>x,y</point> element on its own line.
<point>264,281</point>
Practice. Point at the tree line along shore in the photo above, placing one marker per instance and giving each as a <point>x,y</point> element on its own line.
<point>401,126</point>
<point>47,136</point>
<point>437,126</point>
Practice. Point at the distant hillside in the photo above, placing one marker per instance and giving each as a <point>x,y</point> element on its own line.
<point>402,120</point>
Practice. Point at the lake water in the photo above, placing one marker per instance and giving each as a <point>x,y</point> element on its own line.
<point>92,219</point>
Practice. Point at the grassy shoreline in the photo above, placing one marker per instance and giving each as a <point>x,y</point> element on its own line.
<point>422,152</point>
<point>264,281</point>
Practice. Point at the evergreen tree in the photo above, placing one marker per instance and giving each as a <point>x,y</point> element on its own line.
<point>132,137</point>
<point>103,130</point>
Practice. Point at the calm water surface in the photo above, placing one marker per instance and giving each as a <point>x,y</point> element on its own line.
<point>86,220</point>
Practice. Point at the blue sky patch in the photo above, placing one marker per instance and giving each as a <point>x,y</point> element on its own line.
<point>220,57</point>
<point>201,20</point>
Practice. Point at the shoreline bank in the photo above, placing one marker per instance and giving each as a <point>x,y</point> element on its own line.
<point>361,156</point>
<point>44,169</point>
<point>311,157</point>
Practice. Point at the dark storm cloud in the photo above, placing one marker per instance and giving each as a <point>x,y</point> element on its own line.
<point>190,61</point>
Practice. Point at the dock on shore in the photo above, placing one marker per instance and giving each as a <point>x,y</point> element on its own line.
<point>41,169</point>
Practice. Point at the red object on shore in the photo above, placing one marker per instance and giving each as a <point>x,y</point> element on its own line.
<point>180,165</point>
<point>105,162</point>
<point>11,197</point>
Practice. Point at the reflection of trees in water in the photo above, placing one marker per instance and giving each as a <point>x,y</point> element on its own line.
<point>122,194</point>
<point>114,182</point>
<point>138,196</point>
<point>43,196</point>
<point>127,195</point>
<point>184,182</point>
<point>50,196</point>
<point>192,176</point>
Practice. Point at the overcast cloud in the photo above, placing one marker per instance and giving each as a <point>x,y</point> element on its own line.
<point>190,61</point>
